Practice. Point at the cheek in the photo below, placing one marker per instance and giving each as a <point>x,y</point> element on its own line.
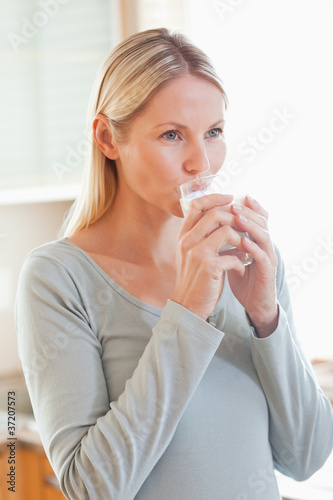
<point>217,153</point>
<point>164,163</point>
<point>151,169</point>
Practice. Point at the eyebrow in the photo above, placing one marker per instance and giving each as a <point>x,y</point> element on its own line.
<point>180,125</point>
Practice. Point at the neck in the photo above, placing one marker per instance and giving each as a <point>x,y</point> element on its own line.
<point>139,233</point>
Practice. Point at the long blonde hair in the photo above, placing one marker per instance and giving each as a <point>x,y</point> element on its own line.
<point>133,72</point>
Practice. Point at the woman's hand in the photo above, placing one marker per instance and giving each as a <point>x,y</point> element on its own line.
<point>207,228</point>
<point>256,290</point>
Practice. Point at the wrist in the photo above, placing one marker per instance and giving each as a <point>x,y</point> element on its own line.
<point>189,307</point>
<point>267,326</point>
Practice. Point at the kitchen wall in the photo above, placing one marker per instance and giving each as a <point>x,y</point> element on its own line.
<point>22,228</point>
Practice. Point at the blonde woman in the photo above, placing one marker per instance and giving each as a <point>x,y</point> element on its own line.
<point>157,368</point>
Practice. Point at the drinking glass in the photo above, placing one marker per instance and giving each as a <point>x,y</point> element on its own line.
<point>211,184</point>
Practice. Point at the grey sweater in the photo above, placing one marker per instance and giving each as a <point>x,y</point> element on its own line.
<point>137,402</point>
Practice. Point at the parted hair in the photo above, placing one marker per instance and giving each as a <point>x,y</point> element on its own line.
<point>131,74</point>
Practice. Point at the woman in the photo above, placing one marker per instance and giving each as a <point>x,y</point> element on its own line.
<point>157,368</point>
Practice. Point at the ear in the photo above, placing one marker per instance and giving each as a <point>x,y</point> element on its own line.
<point>103,137</point>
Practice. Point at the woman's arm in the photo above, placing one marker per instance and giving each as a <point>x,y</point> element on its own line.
<point>102,450</point>
<point>301,425</point>
<point>301,417</point>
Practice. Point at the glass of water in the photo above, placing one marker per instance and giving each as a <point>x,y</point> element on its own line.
<point>212,184</point>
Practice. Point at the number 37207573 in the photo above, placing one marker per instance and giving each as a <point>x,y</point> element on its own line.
<point>11,412</point>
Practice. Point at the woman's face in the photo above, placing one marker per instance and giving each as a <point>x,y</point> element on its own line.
<point>178,136</point>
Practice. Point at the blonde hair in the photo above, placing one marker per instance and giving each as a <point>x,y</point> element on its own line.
<point>133,72</point>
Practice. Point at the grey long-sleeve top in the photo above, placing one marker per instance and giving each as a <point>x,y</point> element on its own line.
<point>137,402</point>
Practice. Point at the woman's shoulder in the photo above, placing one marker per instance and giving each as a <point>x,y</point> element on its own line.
<point>54,260</point>
<point>58,251</point>
<point>59,273</point>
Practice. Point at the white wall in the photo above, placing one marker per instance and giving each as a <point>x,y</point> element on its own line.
<point>22,228</point>
<point>275,59</point>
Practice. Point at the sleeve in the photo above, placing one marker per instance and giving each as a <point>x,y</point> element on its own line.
<point>301,417</point>
<point>102,449</point>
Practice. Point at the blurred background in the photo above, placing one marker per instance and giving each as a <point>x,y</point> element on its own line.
<point>275,59</point>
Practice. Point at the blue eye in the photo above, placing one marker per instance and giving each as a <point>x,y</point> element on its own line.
<point>171,135</point>
<point>214,132</point>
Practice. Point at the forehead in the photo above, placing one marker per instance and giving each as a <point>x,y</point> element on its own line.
<point>187,98</point>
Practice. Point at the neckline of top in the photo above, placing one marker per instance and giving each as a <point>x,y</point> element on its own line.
<point>131,298</point>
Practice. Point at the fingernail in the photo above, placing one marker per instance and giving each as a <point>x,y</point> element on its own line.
<point>237,207</point>
<point>242,218</point>
<point>250,198</point>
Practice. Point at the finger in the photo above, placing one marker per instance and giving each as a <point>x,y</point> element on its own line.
<point>230,263</point>
<point>259,234</point>
<point>254,205</point>
<point>223,236</point>
<point>200,205</point>
<point>263,256</point>
<point>262,238</point>
<point>211,221</point>
<point>249,213</point>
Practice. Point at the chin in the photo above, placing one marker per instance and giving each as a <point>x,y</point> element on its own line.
<point>176,210</point>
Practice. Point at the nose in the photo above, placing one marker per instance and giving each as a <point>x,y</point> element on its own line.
<point>196,160</point>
